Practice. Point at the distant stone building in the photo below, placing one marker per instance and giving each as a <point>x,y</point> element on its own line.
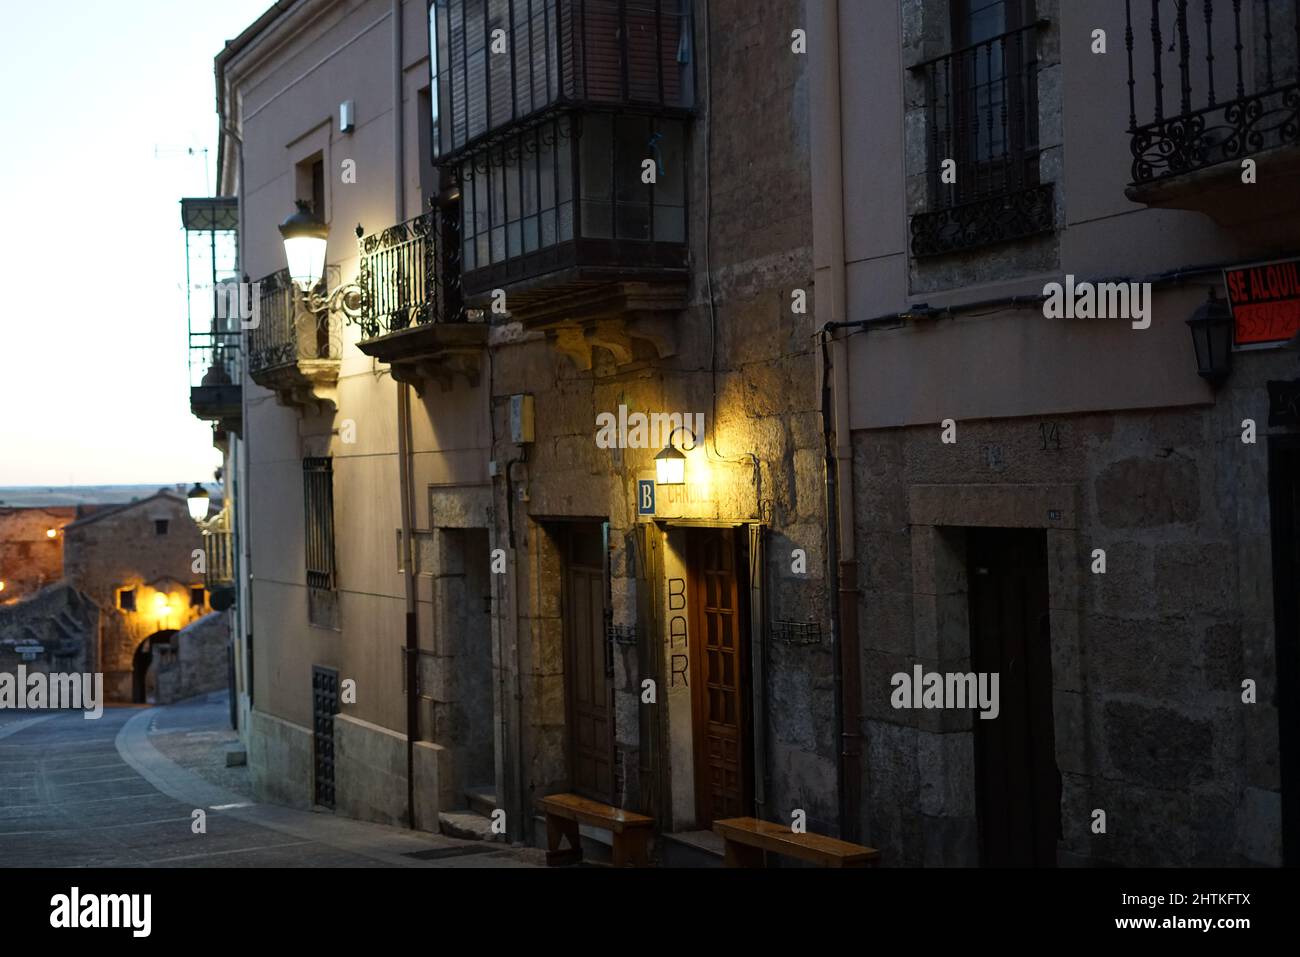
<point>136,563</point>
<point>31,549</point>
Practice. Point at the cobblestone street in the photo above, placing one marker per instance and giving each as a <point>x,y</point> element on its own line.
<point>121,791</point>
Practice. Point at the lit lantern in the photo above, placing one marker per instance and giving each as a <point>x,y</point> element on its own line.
<point>670,464</point>
<point>197,499</point>
<point>51,533</point>
<point>162,608</point>
<point>304,246</point>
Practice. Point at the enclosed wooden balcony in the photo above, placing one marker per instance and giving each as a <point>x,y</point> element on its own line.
<point>569,157</point>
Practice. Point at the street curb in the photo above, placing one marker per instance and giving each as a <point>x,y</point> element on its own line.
<point>135,748</point>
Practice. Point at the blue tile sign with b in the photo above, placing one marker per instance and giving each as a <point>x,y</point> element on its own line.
<point>645,496</point>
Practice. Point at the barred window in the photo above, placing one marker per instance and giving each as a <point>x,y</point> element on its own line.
<point>318,500</point>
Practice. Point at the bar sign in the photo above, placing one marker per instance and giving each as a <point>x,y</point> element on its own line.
<point>645,497</point>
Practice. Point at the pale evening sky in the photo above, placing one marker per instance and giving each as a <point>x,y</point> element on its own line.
<point>94,383</point>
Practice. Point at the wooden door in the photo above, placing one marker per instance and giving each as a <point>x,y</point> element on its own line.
<point>1018,787</point>
<point>719,679</point>
<point>587,682</point>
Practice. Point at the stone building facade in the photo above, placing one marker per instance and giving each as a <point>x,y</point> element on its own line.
<point>1065,501</point>
<point>31,549</point>
<point>136,563</point>
<point>503,610</point>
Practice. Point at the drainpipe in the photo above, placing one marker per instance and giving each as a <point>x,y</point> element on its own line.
<point>836,424</point>
<point>518,791</point>
<point>411,649</point>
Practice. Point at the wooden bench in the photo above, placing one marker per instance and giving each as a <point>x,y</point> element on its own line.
<point>564,812</point>
<point>747,841</point>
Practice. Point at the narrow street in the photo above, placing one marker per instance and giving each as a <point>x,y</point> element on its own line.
<point>121,792</point>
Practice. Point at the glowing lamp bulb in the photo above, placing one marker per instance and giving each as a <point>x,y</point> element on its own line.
<point>670,467</point>
<point>304,246</point>
<point>51,533</point>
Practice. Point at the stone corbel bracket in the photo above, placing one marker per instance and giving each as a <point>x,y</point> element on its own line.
<point>633,321</point>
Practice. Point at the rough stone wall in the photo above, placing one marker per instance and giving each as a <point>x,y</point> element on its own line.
<point>61,620</point>
<point>198,662</point>
<point>1148,658</point>
<point>29,558</point>
<point>767,405</point>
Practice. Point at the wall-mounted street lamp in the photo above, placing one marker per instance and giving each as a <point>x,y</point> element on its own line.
<point>1212,334</point>
<point>198,500</point>
<point>670,464</point>
<point>305,239</point>
<point>51,533</point>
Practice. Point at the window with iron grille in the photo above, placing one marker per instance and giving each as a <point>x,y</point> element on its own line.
<point>981,115</point>
<point>318,499</point>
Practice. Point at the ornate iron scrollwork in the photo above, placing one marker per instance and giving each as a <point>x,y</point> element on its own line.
<point>1017,214</point>
<point>1203,138</point>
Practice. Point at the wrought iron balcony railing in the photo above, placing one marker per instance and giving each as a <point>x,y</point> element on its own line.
<point>283,333</point>
<point>1223,82</point>
<point>982,178</point>
<point>215,371</point>
<point>410,275</point>
<point>219,549</point>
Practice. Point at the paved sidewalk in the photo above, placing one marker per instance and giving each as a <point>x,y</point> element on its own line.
<point>120,792</point>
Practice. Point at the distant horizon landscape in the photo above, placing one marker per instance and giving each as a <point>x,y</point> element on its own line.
<point>36,496</point>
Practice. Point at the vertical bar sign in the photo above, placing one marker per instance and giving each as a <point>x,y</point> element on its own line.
<point>645,497</point>
<point>1265,301</point>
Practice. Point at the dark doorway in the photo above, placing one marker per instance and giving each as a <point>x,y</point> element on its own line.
<point>1018,786</point>
<point>324,706</point>
<point>719,677</point>
<point>1284,504</point>
<point>467,588</point>
<point>143,676</point>
<point>587,663</point>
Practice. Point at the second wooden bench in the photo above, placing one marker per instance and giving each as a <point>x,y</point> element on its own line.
<point>564,812</point>
<point>747,841</point>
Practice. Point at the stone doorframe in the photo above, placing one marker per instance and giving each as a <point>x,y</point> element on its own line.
<point>938,515</point>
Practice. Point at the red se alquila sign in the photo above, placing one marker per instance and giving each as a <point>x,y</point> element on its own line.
<point>1265,301</point>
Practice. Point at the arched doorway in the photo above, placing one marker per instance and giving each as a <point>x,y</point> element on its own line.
<point>142,673</point>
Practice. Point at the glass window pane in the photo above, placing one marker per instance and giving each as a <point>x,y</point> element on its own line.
<point>595,173</point>
<point>631,149</point>
<point>670,224</point>
<point>467,256</point>
<point>596,221</point>
<point>633,222</point>
<point>480,201</point>
<point>566,222</point>
<point>514,245</point>
<point>548,227</point>
<point>529,163</point>
<point>530,234</point>
<point>564,146</point>
<point>499,244</point>
<point>498,178</point>
<point>511,176</point>
<point>671,186</point>
<point>546,175</point>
